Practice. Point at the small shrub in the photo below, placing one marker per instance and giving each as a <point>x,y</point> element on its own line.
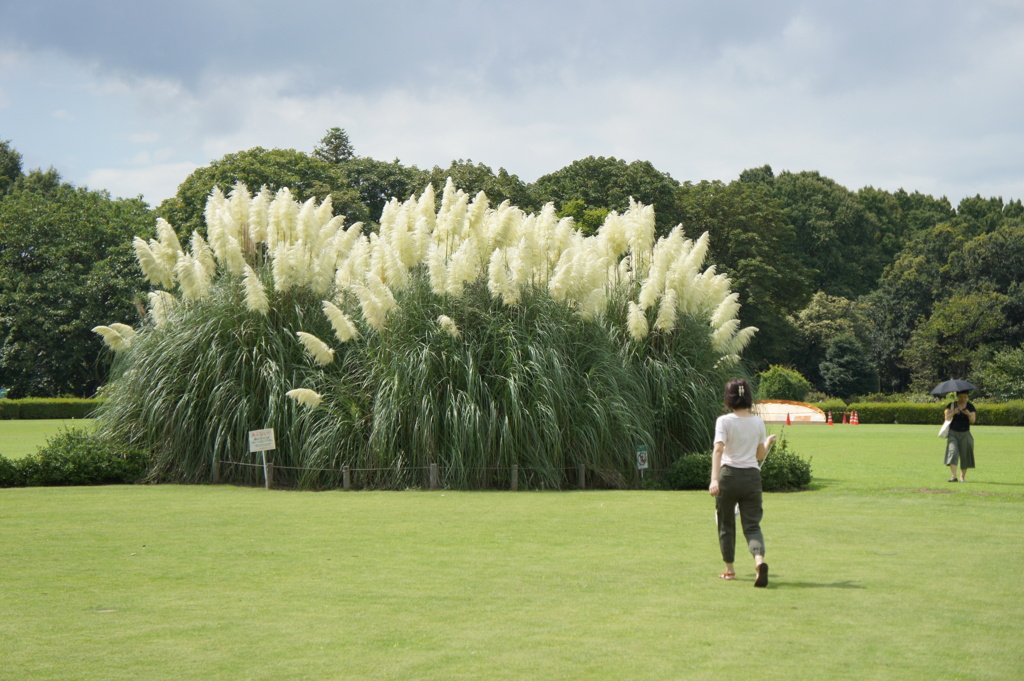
<point>11,474</point>
<point>783,470</point>
<point>780,383</point>
<point>10,409</point>
<point>690,471</point>
<point>75,457</point>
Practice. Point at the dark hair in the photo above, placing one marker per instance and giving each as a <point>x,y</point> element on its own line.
<point>738,394</point>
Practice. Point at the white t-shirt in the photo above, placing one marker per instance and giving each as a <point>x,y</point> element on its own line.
<point>741,436</point>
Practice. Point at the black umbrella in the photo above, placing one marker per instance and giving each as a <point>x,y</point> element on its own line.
<point>953,386</point>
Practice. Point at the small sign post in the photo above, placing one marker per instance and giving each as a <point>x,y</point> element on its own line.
<point>262,441</point>
<point>641,459</point>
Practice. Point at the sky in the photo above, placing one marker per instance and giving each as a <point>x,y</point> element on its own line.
<point>131,96</point>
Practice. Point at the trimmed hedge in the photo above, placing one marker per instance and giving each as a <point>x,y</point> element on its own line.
<point>1005,414</point>
<point>782,471</point>
<point>75,457</point>
<point>10,409</point>
<point>48,408</point>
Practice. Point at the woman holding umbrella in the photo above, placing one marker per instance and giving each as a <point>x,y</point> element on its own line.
<point>959,441</point>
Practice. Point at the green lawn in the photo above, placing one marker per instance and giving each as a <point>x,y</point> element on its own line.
<point>883,571</point>
<point>21,437</point>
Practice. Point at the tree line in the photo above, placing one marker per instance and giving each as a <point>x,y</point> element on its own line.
<point>860,291</point>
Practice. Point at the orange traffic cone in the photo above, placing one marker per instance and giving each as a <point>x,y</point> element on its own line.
<point>844,418</point>
<point>788,422</point>
<point>829,419</point>
<point>855,420</point>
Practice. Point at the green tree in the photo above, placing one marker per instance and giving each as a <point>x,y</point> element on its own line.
<point>818,325</point>
<point>10,166</point>
<point>377,182</point>
<point>836,237</point>
<point>847,369</point>
<point>609,183</point>
<point>950,343</point>
<point>752,243</point>
<point>588,220</point>
<point>334,148</point>
<point>1002,377</point>
<point>473,178</point>
<point>782,383</point>
<point>66,265</point>
<point>305,176</point>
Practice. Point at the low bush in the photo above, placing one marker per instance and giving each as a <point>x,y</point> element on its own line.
<point>10,409</point>
<point>1005,414</point>
<point>783,470</point>
<point>834,405</point>
<point>780,383</point>
<point>57,408</point>
<point>11,474</point>
<point>75,457</point>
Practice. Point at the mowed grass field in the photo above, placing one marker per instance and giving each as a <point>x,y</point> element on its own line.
<point>19,438</point>
<point>882,571</point>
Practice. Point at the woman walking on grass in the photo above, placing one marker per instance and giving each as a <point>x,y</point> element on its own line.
<point>959,441</point>
<point>740,445</point>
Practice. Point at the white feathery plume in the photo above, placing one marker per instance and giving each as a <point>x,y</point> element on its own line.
<point>160,305</point>
<point>641,228</point>
<point>425,206</point>
<point>498,276</point>
<point>447,324</point>
<point>742,338</point>
<point>153,268</point>
<point>259,214</point>
<point>238,203</point>
<point>283,218</point>
<point>325,211</point>
<point>127,332</point>
<point>202,252</point>
<point>193,278</point>
<point>636,322</point>
<point>667,311</point>
<point>309,226</point>
<point>344,329</point>
<point>437,268</point>
<point>305,397</point>
<point>255,296</point>
<point>211,211</point>
<point>320,351</point>
<point>476,213</point>
<point>114,340</point>
<point>722,336</point>
<point>726,310</point>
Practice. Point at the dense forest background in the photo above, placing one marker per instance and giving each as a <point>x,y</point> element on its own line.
<point>861,291</point>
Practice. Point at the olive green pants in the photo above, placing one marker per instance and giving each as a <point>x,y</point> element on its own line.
<point>960,449</point>
<point>739,486</point>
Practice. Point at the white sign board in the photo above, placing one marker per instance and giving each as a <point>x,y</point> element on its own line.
<point>261,440</point>
<point>641,457</point>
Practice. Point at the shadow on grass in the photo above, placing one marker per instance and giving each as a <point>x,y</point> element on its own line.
<point>848,584</point>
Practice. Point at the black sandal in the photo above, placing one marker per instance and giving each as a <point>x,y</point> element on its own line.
<point>762,575</point>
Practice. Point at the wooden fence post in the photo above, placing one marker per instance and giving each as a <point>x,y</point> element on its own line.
<point>346,477</point>
<point>433,476</point>
<point>583,476</point>
<point>515,477</point>
<point>215,470</point>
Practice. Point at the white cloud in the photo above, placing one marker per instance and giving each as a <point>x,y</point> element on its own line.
<point>154,182</point>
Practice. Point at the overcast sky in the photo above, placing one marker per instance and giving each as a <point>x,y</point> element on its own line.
<point>132,95</point>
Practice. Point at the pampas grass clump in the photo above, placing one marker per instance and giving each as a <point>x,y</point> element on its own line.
<point>463,335</point>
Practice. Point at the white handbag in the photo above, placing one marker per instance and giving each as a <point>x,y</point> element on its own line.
<point>944,430</point>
